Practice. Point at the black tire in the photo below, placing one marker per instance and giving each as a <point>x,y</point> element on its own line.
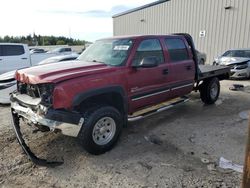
<point>210,90</point>
<point>91,117</point>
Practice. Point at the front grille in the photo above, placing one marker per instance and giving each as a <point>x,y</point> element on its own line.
<point>29,89</point>
<point>43,91</point>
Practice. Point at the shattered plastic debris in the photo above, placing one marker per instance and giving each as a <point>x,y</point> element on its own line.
<point>211,167</point>
<point>237,87</point>
<point>244,114</point>
<point>191,138</point>
<point>218,102</point>
<point>153,139</point>
<point>226,164</point>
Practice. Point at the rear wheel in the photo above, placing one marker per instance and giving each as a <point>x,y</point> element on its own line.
<point>210,90</point>
<point>101,129</point>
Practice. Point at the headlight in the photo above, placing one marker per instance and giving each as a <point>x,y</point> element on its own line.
<point>46,92</point>
<point>241,66</point>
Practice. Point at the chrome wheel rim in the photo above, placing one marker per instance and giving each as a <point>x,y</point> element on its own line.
<point>104,130</point>
<point>214,91</point>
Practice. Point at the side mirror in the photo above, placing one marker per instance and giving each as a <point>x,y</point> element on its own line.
<point>148,62</point>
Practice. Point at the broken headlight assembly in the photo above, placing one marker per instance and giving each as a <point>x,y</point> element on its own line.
<point>241,66</point>
<point>46,94</point>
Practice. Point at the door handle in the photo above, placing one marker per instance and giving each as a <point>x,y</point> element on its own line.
<point>188,67</point>
<point>0,59</point>
<point>165,71</point>
<point>24,58</point>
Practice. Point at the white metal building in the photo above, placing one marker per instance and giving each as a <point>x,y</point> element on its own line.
<point>216,25</point>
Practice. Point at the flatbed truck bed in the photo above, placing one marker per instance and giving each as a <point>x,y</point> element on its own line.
<point>208,71</point>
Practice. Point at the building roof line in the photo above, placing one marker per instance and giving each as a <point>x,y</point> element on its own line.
<point>140,8</point>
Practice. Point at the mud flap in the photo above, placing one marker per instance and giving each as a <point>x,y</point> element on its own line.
<point>26,149</point>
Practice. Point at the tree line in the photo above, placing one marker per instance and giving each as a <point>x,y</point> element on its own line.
<point>39,40</point>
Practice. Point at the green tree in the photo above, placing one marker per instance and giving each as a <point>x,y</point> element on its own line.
<point>60,42</point>
<point>42,40</point>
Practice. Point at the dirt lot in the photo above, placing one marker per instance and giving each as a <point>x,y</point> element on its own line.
<point>164,150</point>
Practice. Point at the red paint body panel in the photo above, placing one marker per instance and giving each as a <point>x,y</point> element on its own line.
<point>143,86</point>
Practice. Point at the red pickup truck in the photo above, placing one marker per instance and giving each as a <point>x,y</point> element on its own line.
<point>114,81</point>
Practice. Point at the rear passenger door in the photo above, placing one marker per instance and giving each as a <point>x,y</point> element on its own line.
<point>13,57</point>
<point>181,66</point>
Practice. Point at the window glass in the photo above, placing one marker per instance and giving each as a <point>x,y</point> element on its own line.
<point>11,50</point>
<point>177,50</point>
<point>1,51</point>
<point>67,49</point>
<point>237,53</point>
<point>68,59</point>
<point>149,48</point>
<point>112,52</point>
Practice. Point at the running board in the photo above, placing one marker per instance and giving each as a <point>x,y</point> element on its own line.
<point>157,108</point>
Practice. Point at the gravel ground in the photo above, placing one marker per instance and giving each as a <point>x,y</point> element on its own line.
<point>164,150</point>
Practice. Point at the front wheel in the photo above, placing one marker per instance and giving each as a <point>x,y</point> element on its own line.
<point>210,90</point>
<point>101,129</point>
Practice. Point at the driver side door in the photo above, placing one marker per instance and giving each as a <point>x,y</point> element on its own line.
<point>148,86</point>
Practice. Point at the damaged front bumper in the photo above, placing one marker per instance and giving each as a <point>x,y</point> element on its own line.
<point>22,106</point>
<point>243,73</point>
<point>26,149</point>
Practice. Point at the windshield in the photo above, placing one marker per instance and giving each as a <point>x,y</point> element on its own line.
<point>237,53</point>
<point>110,52</point>
<point>56,50</point>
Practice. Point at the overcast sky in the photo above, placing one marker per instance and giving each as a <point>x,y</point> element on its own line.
<point>79,19</point>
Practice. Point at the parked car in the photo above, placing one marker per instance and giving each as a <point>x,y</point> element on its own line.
<point>61,50</point>
<point>59,58</point>
<point>238,60</point>
<point>116,80</point>
<point>7,86</point>
<point>202,57</point>
<point>15,56</point>
<point>8,82</point>
<point>37,50</point>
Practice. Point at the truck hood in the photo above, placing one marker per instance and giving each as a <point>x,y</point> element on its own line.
<point>232,60</point>
<point>54,73</point>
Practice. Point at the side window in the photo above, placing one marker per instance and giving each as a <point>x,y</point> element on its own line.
<point>1,54</point>
<point>177,50</point>
<point>67,49</point>
<point>61,50</point>
<point>149,48</point>
<point>12,50</point>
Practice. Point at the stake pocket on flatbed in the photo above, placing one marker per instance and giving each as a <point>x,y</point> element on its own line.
<point>114,80</point>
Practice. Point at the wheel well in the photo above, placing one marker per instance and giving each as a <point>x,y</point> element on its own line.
<point>112,99</point>
<point>223,76</point>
